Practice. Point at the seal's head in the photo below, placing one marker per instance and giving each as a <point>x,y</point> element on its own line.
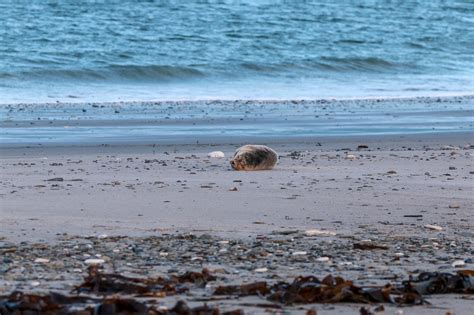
<point>254,158</point>
<point>237,163</point>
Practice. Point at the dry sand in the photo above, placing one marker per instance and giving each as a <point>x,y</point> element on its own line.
<point>387,192</point>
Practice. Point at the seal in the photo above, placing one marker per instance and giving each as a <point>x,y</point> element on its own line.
<point>252,157</point>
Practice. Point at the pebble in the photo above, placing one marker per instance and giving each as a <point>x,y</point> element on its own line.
<point>399,254</point>
<point>299,253</point>
<point>35,283</point>
<point>264,269</point>
<point>458,263</point>
<point>323,259</point>
<point>94,261</point>
<point>350,157</point>
<point>42,260</point>
<point>454,206</point>
<point>216,154</point>
<point>434,227</point>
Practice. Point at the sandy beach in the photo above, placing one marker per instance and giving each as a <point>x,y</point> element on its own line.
<point>411,194</point>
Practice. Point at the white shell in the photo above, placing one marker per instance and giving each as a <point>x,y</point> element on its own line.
<point>458,263</point>
<point>94,261</point>
<point>434,227</point>
<point>216,154</point>
<point>316,232</point>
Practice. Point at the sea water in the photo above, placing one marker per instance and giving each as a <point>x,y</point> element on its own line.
<point>80,51</point>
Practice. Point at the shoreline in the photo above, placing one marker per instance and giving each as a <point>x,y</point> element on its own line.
<point>428,98</point>
<point>221,121</point>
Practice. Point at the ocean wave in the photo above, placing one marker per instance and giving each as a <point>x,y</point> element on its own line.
<point>159,73</point>
<point>368,64</point>
<point>112,72</point>
<point>329,64</point>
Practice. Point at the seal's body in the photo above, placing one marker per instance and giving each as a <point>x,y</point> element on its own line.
<point>254,158</point>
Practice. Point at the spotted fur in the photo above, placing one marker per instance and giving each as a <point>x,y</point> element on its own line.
<point>254,158</point>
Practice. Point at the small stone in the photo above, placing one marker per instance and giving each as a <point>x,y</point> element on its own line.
<point>299,253</point>
<point>458,263</point>
<point>216,154</point>
<point>350,157</point>
<point>42,260</point>
<point>264,269</point>
<point>94,261</point>
<point>233,189</point>
<point>434,227</point>
<point>454,206</point>
<point>392,172</point>
<point>101,236</point>
<point>362,147</point>
<point>35,283</point>
<point>323,259</point>
<point>399,254</point>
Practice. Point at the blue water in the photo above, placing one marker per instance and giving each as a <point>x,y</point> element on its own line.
<point>81,51</point>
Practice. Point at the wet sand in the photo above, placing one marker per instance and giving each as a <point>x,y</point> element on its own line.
<point>386,189</point>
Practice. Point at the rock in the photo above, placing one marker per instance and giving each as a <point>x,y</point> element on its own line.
<point>362,147</point>
<point>434,227</point>
<point>350,157</point>
<point>449,147</point>
<point>42,260</point>
<point>216,154</point>
<point>55,179</point>
<point>94,261</point>
<point>458,263</point>
<point>299,253</point>
<point>234,189</point>
<point>454,206</point>
<point>392,172</point>
<point>261,269</point>
<point>316,232</point>
<point>323,259</point>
